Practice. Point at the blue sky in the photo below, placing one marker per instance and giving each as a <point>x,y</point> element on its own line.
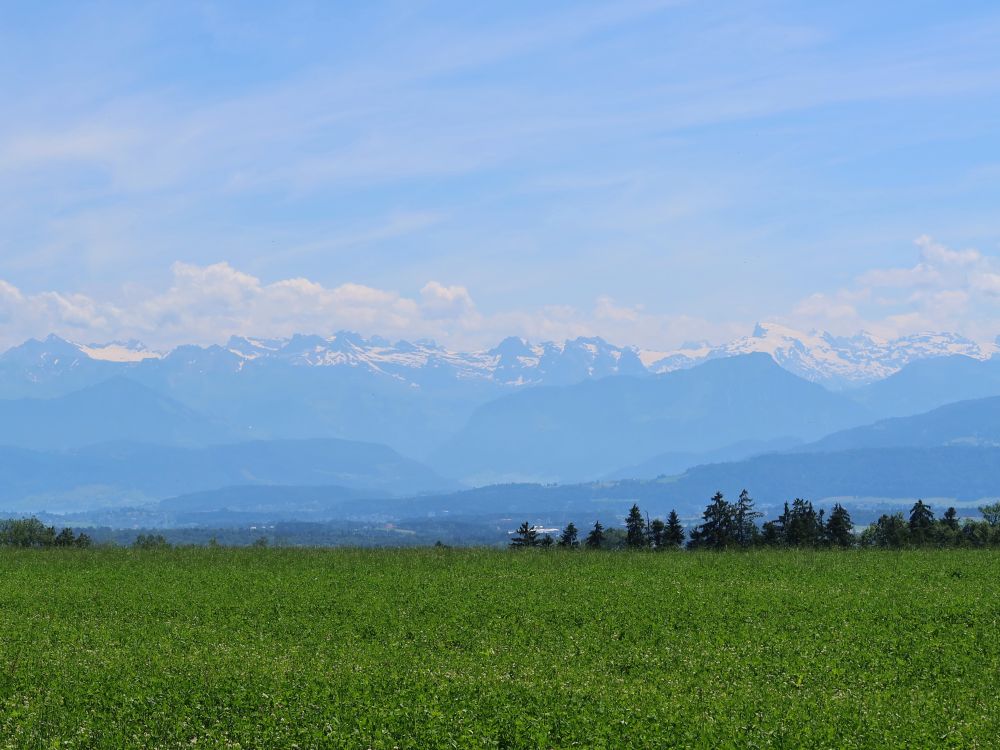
<point>648,171</point>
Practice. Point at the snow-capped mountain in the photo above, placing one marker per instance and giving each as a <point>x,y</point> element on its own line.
<point>817,356</point>
<point>514,362</point>
<point>824,358</point>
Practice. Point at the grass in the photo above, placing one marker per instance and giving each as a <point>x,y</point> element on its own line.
<point>477,648</point>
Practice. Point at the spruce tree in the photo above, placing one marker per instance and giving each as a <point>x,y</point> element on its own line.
<point>596,536</point>
<point>635,526</point>
<point>839,527</point>
<point>525,536</point>
<point>921,522</point>
<point>801,524</point>
<point>717,529</point>
<point>657,531</point>
<point>568,537</point>
<point>746,520</point>
<point>674,534</point>
<point>950,519</point>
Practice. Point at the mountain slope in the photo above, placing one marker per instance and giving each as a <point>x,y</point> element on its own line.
<point>837,361</point>
<point>587,430</point>
<point>972,423</point>
<point>926,384</point>
<point>116,409</point>
<point>128,473</point>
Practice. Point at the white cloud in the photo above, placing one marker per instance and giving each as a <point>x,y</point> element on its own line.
<point>945,290</point>
<point>208,304</point>
<point>948,290</point>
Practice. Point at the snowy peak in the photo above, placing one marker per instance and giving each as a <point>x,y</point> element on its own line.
<point>821,357</point>
<point>824,358</point>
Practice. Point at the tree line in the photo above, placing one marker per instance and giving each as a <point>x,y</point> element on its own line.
<point>32,533</point>
<point>734,525</point>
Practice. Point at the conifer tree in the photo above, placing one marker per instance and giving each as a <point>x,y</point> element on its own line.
<point>635,525</point>
<point>525,536</point>
<point>801,525</point>
<point>921,522</point>
<point>950,519</point>
<point>674,534</point>
<point>717,529</point>
<point>568,537</point>
<point>746,520</point>
<point>596,536</point>
<point>839,527</point>
<point>657,531</point>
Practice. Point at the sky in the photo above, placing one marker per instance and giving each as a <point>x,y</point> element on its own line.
<point>649,171</point>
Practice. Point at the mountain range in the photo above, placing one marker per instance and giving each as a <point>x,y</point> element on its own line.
<point>325,424</point>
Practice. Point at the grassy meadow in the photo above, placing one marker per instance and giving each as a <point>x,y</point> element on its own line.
<point>432,648</point>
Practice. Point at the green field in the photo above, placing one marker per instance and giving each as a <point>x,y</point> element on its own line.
<point>475,648</point>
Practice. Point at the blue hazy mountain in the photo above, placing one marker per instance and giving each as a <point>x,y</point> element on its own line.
<point>586,430</point>
<point>929,383</point>
<point>115,409</point>
<point>410,395</point>
<point>676,462</point>
<point>130,473</point>
<point>972,423</point>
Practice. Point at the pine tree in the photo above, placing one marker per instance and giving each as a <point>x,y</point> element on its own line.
<point>525,536</point>
<point>921,522</point>
<point>839,527</point>
<point>801,525</point>
<point>657,530</point>
<point>674,534</point>
<point>951,519</point>
<point>889,531</point>
<point>568,537</point>
<point>746,520</point>
<point>547,541</point>
<point>717,529</point>
<point>65,538</point>
<point>596,536</point>
<point>635,526</point>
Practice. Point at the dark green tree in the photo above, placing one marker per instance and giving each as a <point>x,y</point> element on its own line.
<point>569,537</point>
<point>673,536</point>
<point>746,520</point>
<point>82,540</point>
<point>657,534</point>
<point>525,536</point>
<point>991,513</point>
<point>801,525</point>
<point>839,527</point>
<point>950,519</point>
<point>26,532</point>
<point>635,526</point>
<point>547,541</point>
<point>150,541</point>
<point>596,536</point>
<point>717,529</point>
<point>921,523</point>
<point>65,538</point>
<point>889,531</point>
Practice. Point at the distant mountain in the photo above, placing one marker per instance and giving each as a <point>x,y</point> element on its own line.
<point>903,473</point>
<point>968,423</point>
<point>115,409</point>
<point>134,474</point>
<point>864,480</point>
<point>929,383</point>
<point>670,463</point>
<point>267,501</point>
<point>414,396</point>
<point>586,430</point>
<point>837,361</point>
